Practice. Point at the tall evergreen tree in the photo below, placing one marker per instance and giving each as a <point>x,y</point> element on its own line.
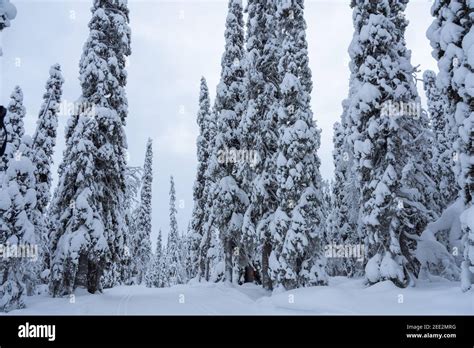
<point>174,262</point>
<point>206,125</point>
<point>341,227</point>
<point>17,229</point>
<point>18,147</point>
<point>389,135</point>
<point>443,157</point>
<point>448,14</point>
<point>259,135</point>
<point>229,200</point>
<point>14,125</point>
<point>142,230</point>
<point>105,55</point>
<point>452,38</point>
<point>297,257</point>
<point>351,189</point>
<point>185,249</point>
<point>44,141</point>
<point>204,261</point>
<point>133,181</point>
<point>14,132</point>
<point>337,225</point>
<point>344,216</point>
<point>44,138</point>
<point>248,130</point>
<point>154,276</point>
<point>103,80</point>
<point>77,241</point>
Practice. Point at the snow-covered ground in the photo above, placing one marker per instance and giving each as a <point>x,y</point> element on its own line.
<point>343,296</point>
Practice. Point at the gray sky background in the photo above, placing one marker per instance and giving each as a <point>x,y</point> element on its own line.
<point>174,43</point>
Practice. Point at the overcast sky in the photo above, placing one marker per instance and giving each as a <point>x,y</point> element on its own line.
<point>174,43</point>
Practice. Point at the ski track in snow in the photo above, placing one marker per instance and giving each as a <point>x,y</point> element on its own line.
<point>342,297</point>
<point>122,307</point>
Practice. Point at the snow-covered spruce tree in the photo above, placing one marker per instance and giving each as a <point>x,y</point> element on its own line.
<point>342,224</point>
<point>443,159</point>
<point>153,278</point>
<point>19,146</point>
<point>17,229</point>
<point>229,200</point>
<point>452,38</point>
<point>78,243</point>
<point>258,130</point>
<point>174,262</point>
<point>56,206</point>
<point>32,265</point>
<point>249,137</point>
<point>326,207</point>
<point>343,219</point>
<point>437,248</point>
<point>44,141</point>
<point>103,80</point>
<point>206,125</point>
<point>105,54</point>
<point>44,138</point>
<point>14,132</point>
<point>446,34</point>
<point>133,181</point>
<point>7,14</point>
<point>184,249</point>
<point>326,194</point>
<point>352,186</point>
<point>142,231</point>
<point>390,140</point>
<point>297,256</point>
<point>341,229</point>
<point>337,227</point>
<point>204,260</point>
<point>187,255</point>
<point>14,125</point>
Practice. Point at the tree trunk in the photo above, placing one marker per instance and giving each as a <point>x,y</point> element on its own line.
<point>228,260</point>
<point>236,268</point>
<point>249,274</point>
<point>266,280</point>
<point>81,274</point>
<point>206,270</point>
<point>93,276</point>
<point>203,259</point>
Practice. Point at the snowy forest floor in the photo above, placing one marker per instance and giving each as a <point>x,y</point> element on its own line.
<point>342,297</point>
